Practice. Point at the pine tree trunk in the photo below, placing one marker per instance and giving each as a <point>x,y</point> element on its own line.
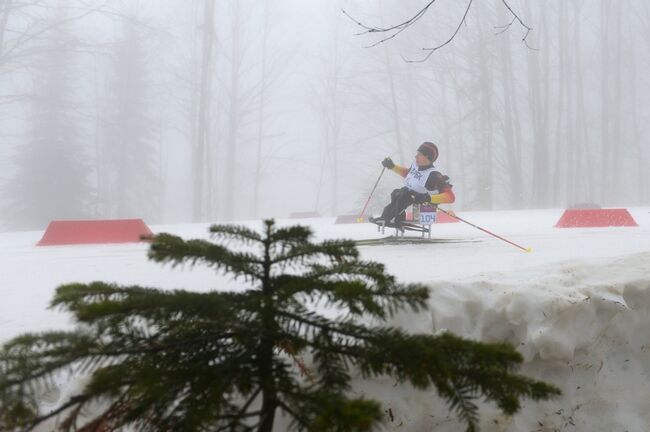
<point>267,416</point>
<point>269,392</point>
<point>265,350</point>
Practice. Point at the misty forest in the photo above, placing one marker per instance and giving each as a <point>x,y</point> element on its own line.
<point>203,111</point>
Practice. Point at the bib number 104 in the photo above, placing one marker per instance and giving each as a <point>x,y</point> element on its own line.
<point>427,218</point>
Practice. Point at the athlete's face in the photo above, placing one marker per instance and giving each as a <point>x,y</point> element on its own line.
<point>421,160</point>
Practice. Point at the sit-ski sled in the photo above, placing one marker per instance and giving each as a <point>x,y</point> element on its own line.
<point>421,218</point>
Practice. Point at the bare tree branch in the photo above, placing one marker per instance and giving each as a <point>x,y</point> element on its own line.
<point>432,50</point>
<point>523,24</point>
<point>399,28</point>
<point>26,36</point>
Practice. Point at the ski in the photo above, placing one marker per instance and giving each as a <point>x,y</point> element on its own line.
<point>402,226</point>
<point>392,240</point>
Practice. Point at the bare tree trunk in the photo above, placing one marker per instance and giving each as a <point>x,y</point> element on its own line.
<point>260,112</point>
<point>642,165</point>
<point>101,193</point>
<point>443,112</point>
<point>560,144</point>
<point>331,124</point>
<point>234,117</point>
<point>486,128</point>
<point>322,164</point>
<point>411,98</point>
<point>393,99</point>
<point>334,139</point>
<point>545,107</point>
<point>605,154</point>
<point>569,176</point>
<point>584,158</point>
<point>518,180</point>
<point>616,145</point>
<point>540,151</point>
<point>395,108</point>
<point>334,128</point>
<point>461,135</point>
<point>643,154</point>
<point>511,121</point>
<point>5,10</point>
<point>200,152</point>
<point>540,176</point>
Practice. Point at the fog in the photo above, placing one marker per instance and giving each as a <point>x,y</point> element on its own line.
<point>204,110</point>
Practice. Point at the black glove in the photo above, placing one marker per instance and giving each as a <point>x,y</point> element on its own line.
<point>388,163</point>
<point>421,198</point>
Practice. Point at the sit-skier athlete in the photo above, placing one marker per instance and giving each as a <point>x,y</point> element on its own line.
<point>424,185</point>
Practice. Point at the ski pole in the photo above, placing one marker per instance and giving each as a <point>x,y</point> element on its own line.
<point>360,218</point>
<point>486,231</point>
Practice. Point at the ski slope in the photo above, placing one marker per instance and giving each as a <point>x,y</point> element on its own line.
<point>577,307</point>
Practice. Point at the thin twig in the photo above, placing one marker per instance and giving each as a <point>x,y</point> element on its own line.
<point>406,23</point>
<point>432,50</point>
<point>399,27</point>
<point>503,28</point>
<point>523,24</point>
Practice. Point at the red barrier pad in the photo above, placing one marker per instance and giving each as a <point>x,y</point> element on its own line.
<point>595,218</point>
<point>67,232</point>
<point>445,218</point>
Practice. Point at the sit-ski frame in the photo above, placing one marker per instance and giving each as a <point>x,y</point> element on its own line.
<point>422,217</point>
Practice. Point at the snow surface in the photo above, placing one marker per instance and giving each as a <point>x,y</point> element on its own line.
<point>577,307</point>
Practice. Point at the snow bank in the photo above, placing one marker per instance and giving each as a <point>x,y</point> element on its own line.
<point>583,326</point>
